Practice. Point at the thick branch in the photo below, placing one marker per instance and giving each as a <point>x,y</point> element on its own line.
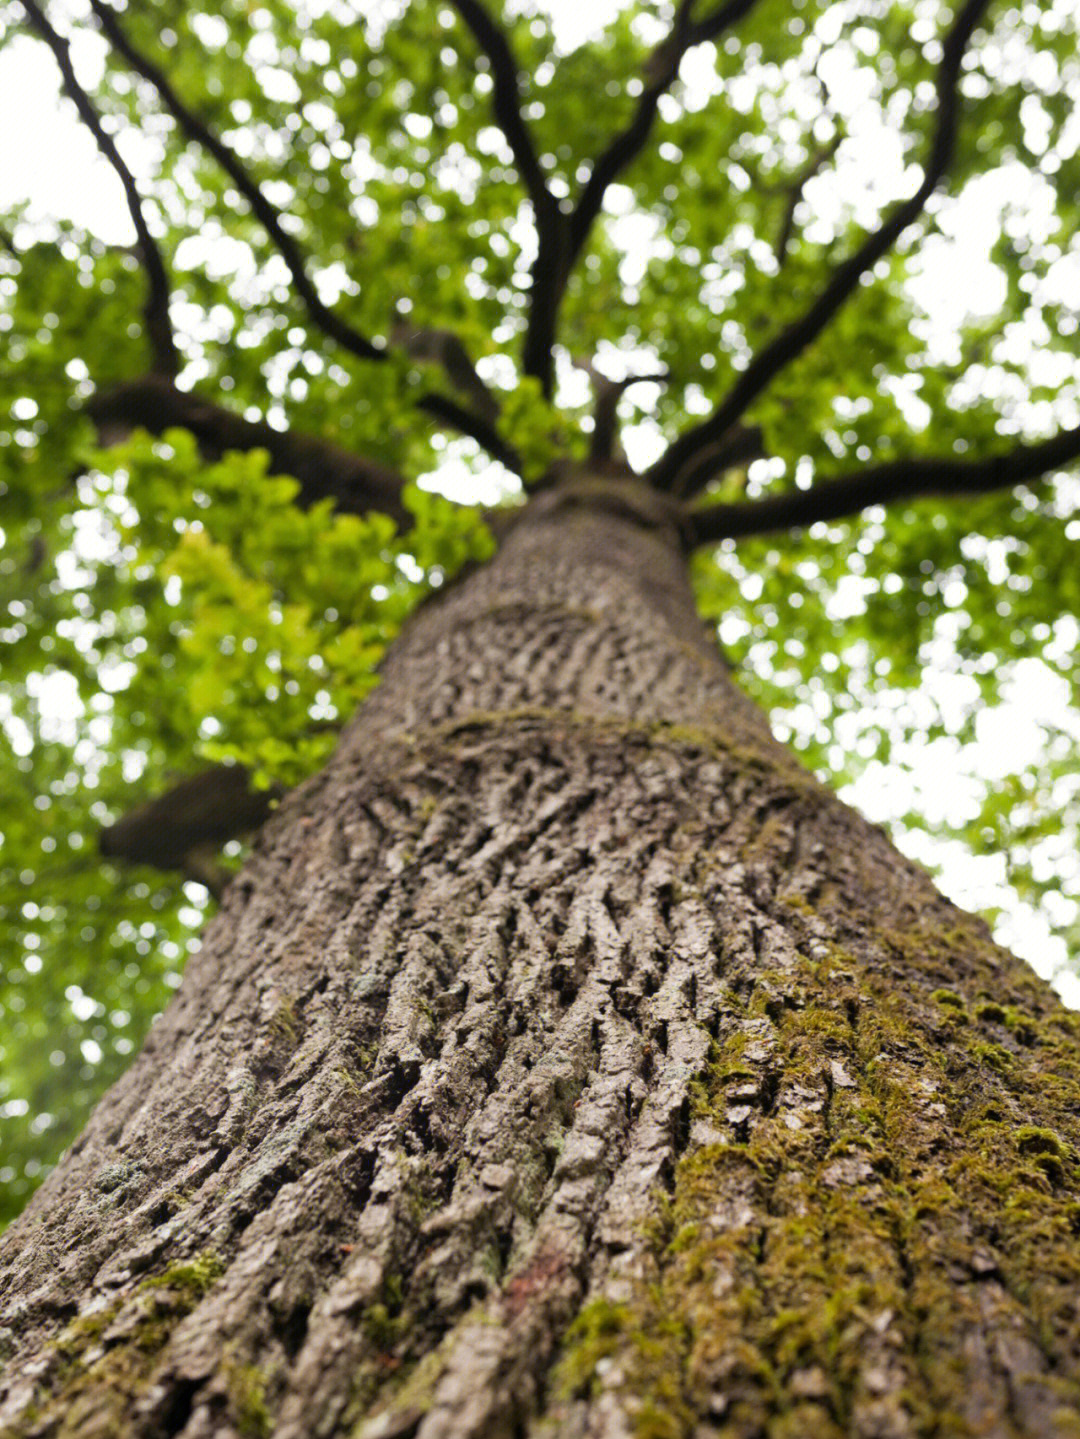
<point>355,484</point>
<point>443,347</point>
<point>548,273</point>
<point>883,485</point>
<point>791,342</point>
<point>604,445</point>
<point>739,447</point>
<point>449,412</point>
<point>507,104</point>
<point>183,828</point>
<point>156,310</point>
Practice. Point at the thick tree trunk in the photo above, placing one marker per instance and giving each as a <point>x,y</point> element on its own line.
<point>568,1062</point>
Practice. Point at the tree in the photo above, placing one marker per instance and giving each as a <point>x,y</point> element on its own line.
<point>565,1058</point>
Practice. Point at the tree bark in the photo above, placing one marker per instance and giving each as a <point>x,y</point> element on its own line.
<point>567,1061</point>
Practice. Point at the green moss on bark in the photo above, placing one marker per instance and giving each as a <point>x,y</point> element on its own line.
<point>102,1362</point>
<point>892,1195</point>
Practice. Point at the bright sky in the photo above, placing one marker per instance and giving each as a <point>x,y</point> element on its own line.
<point>50,160</point>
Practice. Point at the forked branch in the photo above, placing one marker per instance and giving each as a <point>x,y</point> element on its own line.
<point>568,233</point>
<point>663,68</point>
<point>793,340</point>
<point>795,191</point>
<point>560,236</point>
<point>164,359</point>
<point>883,485</point>
<point>604,442</point>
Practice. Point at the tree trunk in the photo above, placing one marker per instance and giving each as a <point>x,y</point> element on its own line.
<point>566,1061</point>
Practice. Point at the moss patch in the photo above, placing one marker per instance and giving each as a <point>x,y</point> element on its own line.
<point>829,1259</point>
<point>102,1361</point>
<point>246,1388</point>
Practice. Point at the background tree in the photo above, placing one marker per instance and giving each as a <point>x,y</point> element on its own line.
<point>372,248</point>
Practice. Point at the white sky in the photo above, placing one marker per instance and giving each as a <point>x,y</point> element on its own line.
<point>48,158</point>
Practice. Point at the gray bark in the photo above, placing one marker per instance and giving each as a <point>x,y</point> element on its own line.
<point>567,1061</point>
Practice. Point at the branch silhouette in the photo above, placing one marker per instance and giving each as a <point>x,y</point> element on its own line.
<point>153,403</point>
<point>327,320</point>
<point>883,485</point>
<point>164,358</point>
<point>549,266</point>
<point>793,340</point>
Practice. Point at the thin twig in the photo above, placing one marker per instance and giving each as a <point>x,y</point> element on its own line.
<point>507,104</point>
<point>445,348</point>
<point>798,185</point>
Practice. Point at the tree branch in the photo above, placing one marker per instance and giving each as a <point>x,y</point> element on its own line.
<point>663,67</point>
<point>795,187</point>
<point>883,485</point>
<point>184,827</point>
<point>603,445</point>
<point>791,342</point>
<point>507,103</point>
<point>443,347</point>
<point>152,403</point>
<point>449,412</point>
<point>741,445</point>
<point>164,359</point>
<point>270,217</point>
<point>548,272</point>
<point>798,185</point>
<point>562,237</point>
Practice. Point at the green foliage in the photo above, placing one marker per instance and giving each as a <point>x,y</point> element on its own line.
<point>158,611</point>
<point>275,616</point>
<point>179,612</point>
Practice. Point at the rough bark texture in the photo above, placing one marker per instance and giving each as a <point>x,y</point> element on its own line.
<point>567,1062</point>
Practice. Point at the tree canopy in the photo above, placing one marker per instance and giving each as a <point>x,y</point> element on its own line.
<point>387,258</point>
